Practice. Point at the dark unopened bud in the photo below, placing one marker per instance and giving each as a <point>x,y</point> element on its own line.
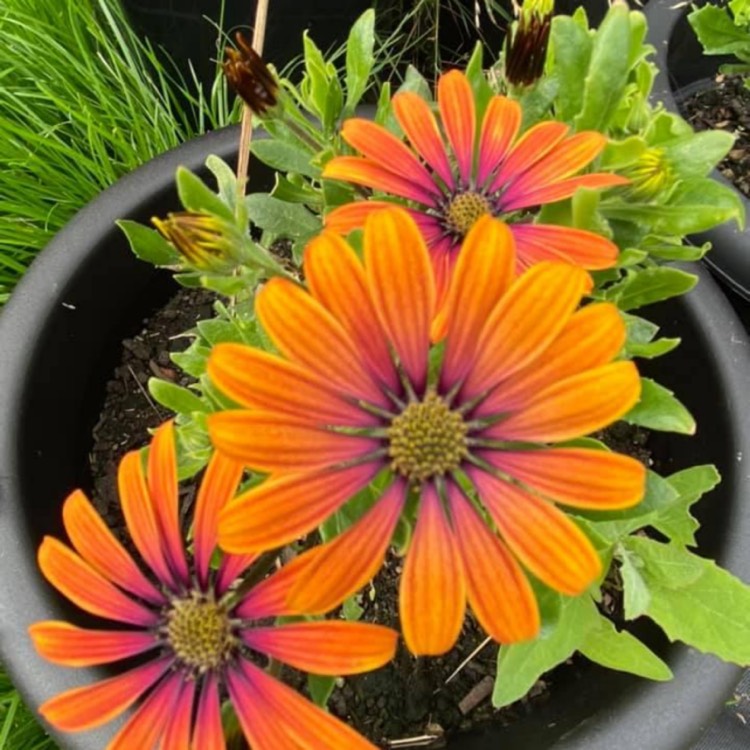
<point>203,240</point>
<point>526,44</point>
<point>250,77</point>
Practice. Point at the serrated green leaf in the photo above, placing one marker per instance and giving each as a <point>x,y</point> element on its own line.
<point>359,58</point>
<point>217,331</point>
<point>520,665</point>
<point>176,398</point>
<point>147,244</point>
<point>658,409</point>
<point>320,687</point>
<point>652,349</point>
<point>650,285</point>
<point>636,594</point>
<point>622,651</point>
<point>281,218</point>
<point>694,600</point>
<point>195,195</point>
<point>717,32</point>
<point>570,49</point>
<point>193,359</point>
<point>351,608</point>
<point>285,157</point>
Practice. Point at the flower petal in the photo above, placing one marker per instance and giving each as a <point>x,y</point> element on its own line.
<point>383,148</point>
<point>144,728</point>
<point>576,406</point>
<point>344,565</point>
<point>284,508</point>
<point>498,591</point>
<point>257,379</point>
<point>71,646</point>
<point>217,488</point>
<point>93,705</point>
<point>591,338</point>
<point>500,126</point>
<point>80,583</point>
<point>579,477</point>
<point>231,568</point>
<point>432,594</point>
<point>162,488</point>
<point>443,254</point>
<point>270,443</point>
<point>537,242</point>
<point>484,270</point>
<point>140,516</point>
<point>208,733</point>
<point>528,150</point>
<point>328,647</point>
<point>458,114</point>
<point>351,216</point>
<point>266,707</point>
<point>525,322</point>
<point>402,286</point>
<point>180,720</point>
<point>543,538</point>
<point>97,545</point>
<point>563,189</point>
<point>337,280</point>
<point>289,314</point>
<point>367,173</point>
<point>417,121</point>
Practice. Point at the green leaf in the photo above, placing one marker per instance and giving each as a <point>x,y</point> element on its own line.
<point>658,409</point>
<point>520,665</point>
<point>225,179</point>
<point>622,651</point>
<point>193,359</point>
<point>650,285</point>
<point>320,687</point>
<point>571,52</point>
<point>217,331</point>
<point>359,58</point>
<point>694,600</point>
<point>281,218</point>
<point>717,32</point>
<point>697,154</point>
<point>195,195</point>
<point>691,484</point>
<point>285,157</point>
<point>176,398</point>
<point>636,594</point>
<point>147,244</point>
<point>351,608</point>
<point>652,349</point>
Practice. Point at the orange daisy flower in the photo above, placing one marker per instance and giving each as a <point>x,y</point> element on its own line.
<point>496,173</point>
<point>200,632</point>
<point>460,435</point>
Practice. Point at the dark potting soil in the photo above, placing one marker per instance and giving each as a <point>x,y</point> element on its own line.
<point>725,106</point>
<point>422,699</point>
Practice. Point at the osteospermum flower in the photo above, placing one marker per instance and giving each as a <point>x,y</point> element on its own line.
<point>492,172</point>
<point>195,635</point>
<point>461,436</point>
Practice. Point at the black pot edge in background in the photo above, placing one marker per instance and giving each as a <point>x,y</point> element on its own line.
<point>41,457</point>
<point>729,258</point>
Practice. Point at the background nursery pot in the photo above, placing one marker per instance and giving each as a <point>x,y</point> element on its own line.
<point>59,337</point>
<point>683,69</point>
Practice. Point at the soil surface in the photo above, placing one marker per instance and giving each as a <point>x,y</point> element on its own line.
<point>726,106</point>
<point>411,702</point>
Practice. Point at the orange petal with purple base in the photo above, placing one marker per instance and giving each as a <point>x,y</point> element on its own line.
<point>140,516</point>
<point>270,443</point>
<point>71,646</point>
<point>337,280</point>
<point>538,242</point>
<point>208,733</point>
<point>328,647</point>
<point>525,322</point>
<point>502,121</point>
<point>367,173</point>
<point>458,113</point>
<point>417,121</point>
<point>179,722</point>
<point>383,148</point>
<point>498,591</point>
<point>576,406</point>
<point>257,379</point>
<point>93,705</point>
<point>579,477</point>
<point>80,583</point>
<point>339,568</point>
<point>290,314</point>
<point>484,270</point>
<point>345,219</point>
<point>432,593</point>
<point>284,508</point>
<point>162,488</point>
<point>97,545</point>
<point>561,190</point>
<point>402,286</point>
<point>542,537</point>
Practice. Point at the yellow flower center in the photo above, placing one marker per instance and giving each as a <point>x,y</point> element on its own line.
<point>427,439</point>
<point>464,211</point>
<point>199,632</point>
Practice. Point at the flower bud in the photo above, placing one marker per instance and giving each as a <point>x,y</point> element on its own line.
<point>250,77</point>
<point>527,42</point>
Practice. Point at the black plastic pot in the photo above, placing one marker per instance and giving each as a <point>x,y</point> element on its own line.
<point>682,65</point>
<point>59,336</point>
